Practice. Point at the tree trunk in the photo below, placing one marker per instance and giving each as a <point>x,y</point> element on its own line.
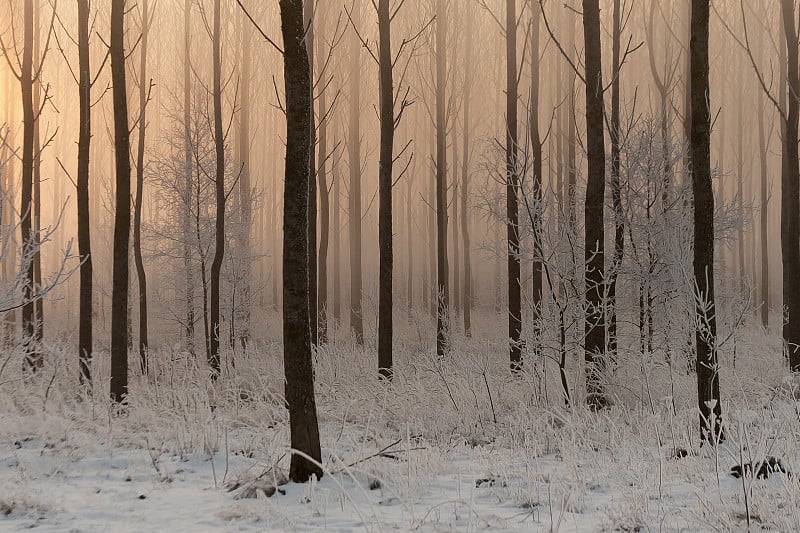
<point>84,239</point>
<point>137,209</point>
<point>538,205</point>
<point>324,200</point>
<point>219,188</point>
<point>616,190</point>
<point>595,329</point>
<point>467,282</point>
<point>37,187</point>
<point>297,347</point>
<point>187,190</point>
<point>385,243</point>
<point>245,191</point>
<point>764,220</point>
<point>700,165</point>
<point>442,305</point>
<point>310,22</point>
<point>356,314</point>
<point>122,211</point>
<point>790,196</point>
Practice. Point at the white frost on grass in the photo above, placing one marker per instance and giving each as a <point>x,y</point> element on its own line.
<point>424,453</point>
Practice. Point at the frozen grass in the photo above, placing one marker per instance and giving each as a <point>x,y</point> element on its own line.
<point>451,444</point>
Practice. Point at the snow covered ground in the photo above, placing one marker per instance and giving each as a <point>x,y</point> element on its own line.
<point>451,445</point>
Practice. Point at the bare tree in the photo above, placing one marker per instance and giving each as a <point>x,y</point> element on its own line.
<point>700,164</point>
<point>354,206</point>
<point>122,211</point>
<point>512,191</point>
<point>442,286</point>
<point>296,320</point>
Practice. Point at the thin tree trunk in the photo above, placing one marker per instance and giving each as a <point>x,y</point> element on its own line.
<point>703,193</point>
<point>37,186</point>
<point>442,306</point>
<point>298,366</point>
<point>538,205</point>
<point>324,200</point>
<point>385,191</point>
<point>137,209</point>
<point>764,220</point>
<point>616,190</point>
<point>84,231</point>
<point>245,191</point>
<point>187,186</point>
<point>219,188</point>
<point>356,313</point>
<point>467,281</point>
<point>122,211</point>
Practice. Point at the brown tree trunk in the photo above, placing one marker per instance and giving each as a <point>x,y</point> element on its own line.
<point>442,305</point>
<point>245,190</point>
<point>298,366</point>
<point>37,185</point>
<point>137,209</point>
<point>187,189</point>
<point>790,196</point>
<point>356,313</point>
<point>324,200</point>
<point>122,211</point>
<point>700,165</point>
<point>310,23</point>
<point>764,220</point>
<point>84,239</point>
<point>595,329</point>
<point>467,281</point>
<point>616,190</point>
<point>538,205</point>
<point>219,188</point>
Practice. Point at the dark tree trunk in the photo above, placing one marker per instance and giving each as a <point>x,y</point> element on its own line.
<point>442,305</point>
<point>297,347</point>
<point>187,186</point>
<point>26,197</point>
<point>245,191</point>
<point>337,249</point>
<point>310,22</point>
<point>356,313</point>
<point>38,59</point>
<point>702,190</point>
<point>122,211</point>
<point>467,287</point>
<point>538,205</point>
<point>219,188</point>
<point>790,196</point>
<point>137,209</point>
<point>324,200</point>
<point>385,191</point>
<point>84,240</point>
<point>764,220</point>
<point>616,190</point>
<point>593,211</point>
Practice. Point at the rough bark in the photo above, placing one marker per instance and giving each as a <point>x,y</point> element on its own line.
<point>595,330</point>
<point>700,166</point>
<point>512,190</point>
<point>297,346</point>
<point>385,243</point>
<point>310,22</point>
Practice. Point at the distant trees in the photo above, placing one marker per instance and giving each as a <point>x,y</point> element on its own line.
<point>296,318</point>
<point>122,211</point>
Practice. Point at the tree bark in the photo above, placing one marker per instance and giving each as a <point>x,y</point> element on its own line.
<point>467,281</point>
<point>700,165</point>
<point>616,189</point>
<point>219,189</point>
<point>764,220</point>
<point>324,200</point>
<point>790,196</point>
<point>137,209</point>
<point>298,366</point>
<point>442,305</point>
<point>356,313</point>
<point>595,329</point>
<point>538,205</point>
<point>245,190</point>
<point>310,22</point>
<point>122,211</point>
<point>84,231</point>
<point>385,243</point>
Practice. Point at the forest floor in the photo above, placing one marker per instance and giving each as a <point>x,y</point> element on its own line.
<point>453,444</point>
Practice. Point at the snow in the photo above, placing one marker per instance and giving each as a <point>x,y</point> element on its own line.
<point>422,454</point>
